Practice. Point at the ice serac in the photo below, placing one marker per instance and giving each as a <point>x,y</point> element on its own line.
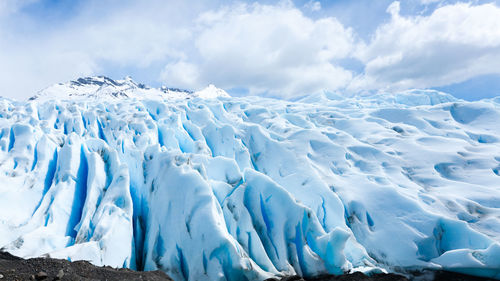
<point>210,187</point>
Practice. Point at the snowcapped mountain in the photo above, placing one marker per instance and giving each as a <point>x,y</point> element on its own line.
<point>104,88</point>
<point>210,187</point>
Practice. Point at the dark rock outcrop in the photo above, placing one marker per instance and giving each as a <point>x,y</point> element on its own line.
<point>15,268</point>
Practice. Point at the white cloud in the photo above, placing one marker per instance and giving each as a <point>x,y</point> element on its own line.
<point>314,6</point>
<point>181,74</point>
<point>269,48</point>
<point>454,43</point>
<point>23,74</point>
<point>134,34</point>
<point>273,49</point>
<point>394,9</point>
<point>427,2</point>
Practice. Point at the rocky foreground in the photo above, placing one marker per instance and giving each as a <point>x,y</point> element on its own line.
<point>15,268</point>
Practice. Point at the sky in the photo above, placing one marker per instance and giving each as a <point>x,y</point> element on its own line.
<point>283,49</point>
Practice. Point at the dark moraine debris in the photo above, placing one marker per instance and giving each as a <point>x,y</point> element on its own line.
<point>14,268</point>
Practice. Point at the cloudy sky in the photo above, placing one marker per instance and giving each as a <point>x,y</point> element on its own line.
<point>274,48</point>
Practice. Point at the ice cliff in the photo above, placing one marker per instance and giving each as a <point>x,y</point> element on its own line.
<point>207,186</point>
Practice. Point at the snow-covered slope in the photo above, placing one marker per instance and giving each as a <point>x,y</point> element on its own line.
<point>103,88</point>
<point>205,186</point>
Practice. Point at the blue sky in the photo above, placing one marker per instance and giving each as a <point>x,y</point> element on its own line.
<point>275,48</point>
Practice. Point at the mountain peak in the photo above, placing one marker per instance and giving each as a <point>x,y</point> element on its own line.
<point>102,87</point>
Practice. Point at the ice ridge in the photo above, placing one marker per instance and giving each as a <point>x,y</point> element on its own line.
<point>211,187</point>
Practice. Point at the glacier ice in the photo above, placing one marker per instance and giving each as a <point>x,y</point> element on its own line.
<point>207,186</point>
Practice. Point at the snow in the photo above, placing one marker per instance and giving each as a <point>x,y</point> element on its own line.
<point>210,187</point>
<point>103,88</point>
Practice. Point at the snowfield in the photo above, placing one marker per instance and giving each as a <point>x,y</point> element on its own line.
<point>210,187</point>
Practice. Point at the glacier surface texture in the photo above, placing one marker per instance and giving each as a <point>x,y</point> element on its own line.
<point>210,187</point>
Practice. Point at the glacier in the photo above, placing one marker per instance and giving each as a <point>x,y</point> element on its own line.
<point>205,186</point>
